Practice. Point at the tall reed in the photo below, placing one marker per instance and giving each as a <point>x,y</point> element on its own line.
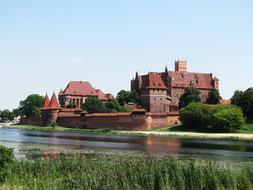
<point>128,173</point>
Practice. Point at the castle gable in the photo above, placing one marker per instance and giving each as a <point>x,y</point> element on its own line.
<point>152,81</point>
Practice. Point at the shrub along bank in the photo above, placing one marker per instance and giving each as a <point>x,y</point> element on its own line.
<point>212,118</point>
<point>126,173</point>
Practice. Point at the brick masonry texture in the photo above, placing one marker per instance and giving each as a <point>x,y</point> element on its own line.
<point>126,121</point>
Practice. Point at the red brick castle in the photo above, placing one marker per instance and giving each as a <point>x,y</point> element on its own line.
<point>160,92</point>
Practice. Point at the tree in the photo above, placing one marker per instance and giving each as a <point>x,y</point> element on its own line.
<point>237,97</point>
<point>214,97</point>
<point>30,107</point>
<point>227,118</point>
<point>246,103</point>
<point>196,116</point>
<point>94,105</point>
<point>125,97</point>
<point>114,106</point>
<point>7,115</point>
<point>16,112</point>
<point>216,118</point>
<point>190,95</point>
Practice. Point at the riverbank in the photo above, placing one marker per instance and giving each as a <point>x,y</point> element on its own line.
<point>167,131</point>
<point>125,173</point>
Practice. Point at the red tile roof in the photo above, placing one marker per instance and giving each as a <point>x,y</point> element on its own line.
<point>54,102</point>
<point>78,88</point>
<point>184,79</point>
<point>225,102</point>
<point>109,96</point>
<point>46,102</point>
<point>83,88</point>
<point>153,81</point>
<point>103,96</point>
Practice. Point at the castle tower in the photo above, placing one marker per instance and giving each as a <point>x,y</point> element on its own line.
<point>154,94</point>
<point>166,70</point>
<point>216,83</point>
<point>181,66</point>
<point>44,109</point>
<point>51,111</point>
<point>135,83</point>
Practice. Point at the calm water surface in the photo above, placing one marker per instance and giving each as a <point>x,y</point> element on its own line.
<point>185,148</point>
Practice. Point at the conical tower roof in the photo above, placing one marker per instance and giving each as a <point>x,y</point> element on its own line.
<point>54,102</point>
<point>46,102</point>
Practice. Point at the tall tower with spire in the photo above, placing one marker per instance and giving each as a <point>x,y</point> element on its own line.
<point>135,83</point>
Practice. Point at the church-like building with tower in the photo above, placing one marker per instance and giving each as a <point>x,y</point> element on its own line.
<point>160,91</point>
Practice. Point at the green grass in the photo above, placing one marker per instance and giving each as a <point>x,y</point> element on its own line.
<point>61,128</point>
<point>126,173</point>
<point>247,129</point>
<point>67,129</point>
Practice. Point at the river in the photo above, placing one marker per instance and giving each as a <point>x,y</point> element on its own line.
<point>184,148</point>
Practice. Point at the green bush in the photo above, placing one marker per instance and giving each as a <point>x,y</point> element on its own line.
<point>53,125</point>
<point>71,105</point>
<point>196,116</point>
<point>216,118</point>
<point>6,155</point>
<point>227,118</point>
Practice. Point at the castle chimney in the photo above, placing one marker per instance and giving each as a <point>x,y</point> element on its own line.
<point>181,66</point>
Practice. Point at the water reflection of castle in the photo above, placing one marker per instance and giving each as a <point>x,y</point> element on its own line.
<point>160,145</point>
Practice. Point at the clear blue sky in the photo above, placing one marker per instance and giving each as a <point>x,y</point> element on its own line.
<point>45,44</point>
